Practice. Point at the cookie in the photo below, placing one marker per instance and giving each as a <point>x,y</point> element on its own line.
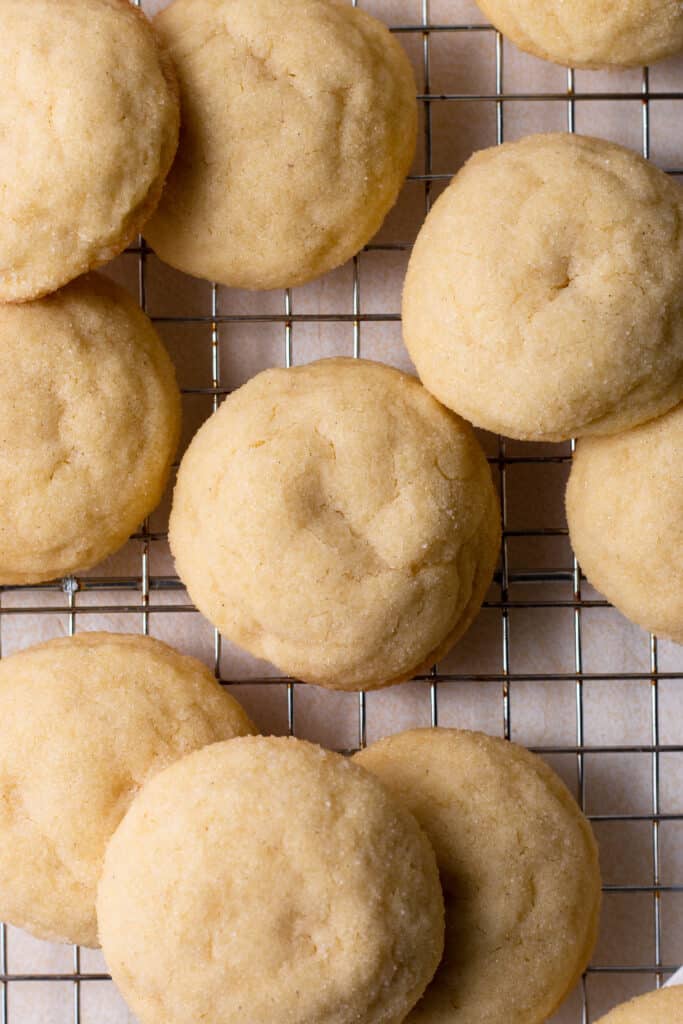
<point>309,895</point>
<point>89,418</point>
<point>87,85</point>
<point>662,1007</point>
<point>337,521</point>
<point>519,868</point>
<point>84,721</point>
<point>625,515</point>
<point>544,295</point>
<point>299,127</point>
<point>591,33</point>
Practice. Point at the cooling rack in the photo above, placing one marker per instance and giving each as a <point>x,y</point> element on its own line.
<point>548,663</point>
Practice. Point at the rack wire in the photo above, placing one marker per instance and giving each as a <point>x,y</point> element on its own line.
<point>139,597</point>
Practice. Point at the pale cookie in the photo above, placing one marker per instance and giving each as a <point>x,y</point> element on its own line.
<point>310,897</point>
<point>337,521</point>
<point>84,721</point>
<point>89,127</point>
<point>519,868</point>
<point>89,424</point>
<point>662,1007</point>
<point>591,33</point>
<point>625,514</point>
<point>544,295</point>
<point>299,127</point>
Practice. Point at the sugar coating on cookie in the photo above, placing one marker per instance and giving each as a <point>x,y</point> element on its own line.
<point>625,515</point>
<point>84,721</point>
<point>591,33</point>
<point>299,127</point>
<point>89,121</point>
<point>544,295</point>
<point>90,418</point>
<point>519,868</point>
<point>662,1007</point>
<point>310,896</point>
<point>337,521</point>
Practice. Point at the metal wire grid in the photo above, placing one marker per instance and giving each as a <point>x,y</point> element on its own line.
<point>144,587</point>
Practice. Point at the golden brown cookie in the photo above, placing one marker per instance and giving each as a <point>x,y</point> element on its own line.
<point>625,514</point>
<point>662,1007</point>
<point>299,127</point>
<point>84,721</point>
<point>544,295</point>
<point>519,868</point>
<point>89,425</point>
<point>591,33</point>
<point>310,896</point>
<point>89,127</point>
<point>336,520</point>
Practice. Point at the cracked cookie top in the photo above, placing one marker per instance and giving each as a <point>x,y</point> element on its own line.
<point>85,721</point>
<point>299,127</point>
<point>89,126</point>
<point>89,424</point>
<point>336,520</point>
<point>544,294</point>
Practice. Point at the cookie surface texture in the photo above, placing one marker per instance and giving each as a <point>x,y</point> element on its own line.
<point>662,1007</point>
<point>84,721</point>
<point>591,33</point>
<point>519,868</point>
<point>90,417</point>
<point>89,120</point>
<point>337,521</point>
<point>299,127</point>
<point>625,515</point>
<point>312,897</point>
<point>544,294</point>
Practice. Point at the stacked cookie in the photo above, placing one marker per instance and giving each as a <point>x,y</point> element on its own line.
<point>137,810</point>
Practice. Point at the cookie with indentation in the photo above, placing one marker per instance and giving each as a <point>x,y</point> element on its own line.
<point>591,33</point>
<point>84,721</point>
<point>310,895</point>
<point>89,425</point>
<point>544,295</point>
<point>662,1007</point>
<point>299,128</point>
<point>336,520</point>
<point>625,516</point>
<point>519,869</point>
<point>89,120</point>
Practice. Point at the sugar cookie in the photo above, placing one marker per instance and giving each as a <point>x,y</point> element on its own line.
<point>90,418</point>
<point>519,867</point>
<point>299,127</point>
<point>89,127</point>
<point>591,33</point>
<point>310,896</point>
<point>336,520</point>
<point>662,1007</point>
<point>625,514</point>
<point>544,295</point>
<point>84,721</point>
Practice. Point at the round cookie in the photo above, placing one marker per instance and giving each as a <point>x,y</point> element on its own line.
<point>84,721</point>
<point>87,83</point>
<point>664,1006</point>
<point>519,868</point>
<point>311,897</point>
<point>89,418</point>
<point>337,521</point>
<point>625,515</point>
<point>299,127</point>
<point>544,295</point>
<point>591,33</point>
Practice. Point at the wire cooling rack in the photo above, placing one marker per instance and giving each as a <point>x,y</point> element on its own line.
<point>548,663</point>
